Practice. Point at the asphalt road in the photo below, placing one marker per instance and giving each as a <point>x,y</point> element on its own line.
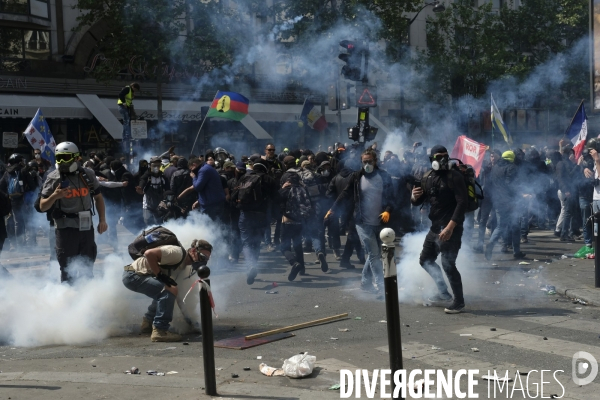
<point>511,323</point>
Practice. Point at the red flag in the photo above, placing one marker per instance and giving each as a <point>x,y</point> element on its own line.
<point>469,152</point>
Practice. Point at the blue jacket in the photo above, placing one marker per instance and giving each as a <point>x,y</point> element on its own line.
<point>207,183</point>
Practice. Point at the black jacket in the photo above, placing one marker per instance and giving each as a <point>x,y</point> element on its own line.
<point>504,184</point>
<point>352,193</point>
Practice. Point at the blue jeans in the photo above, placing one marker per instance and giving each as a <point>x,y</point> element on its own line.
<point>160,312</point>
<point>126,122</point>
<point>369,237</point>
<point>252,226</point>
<point>313,231</point>
<point>569,205</point>
<point>586,210</point>
<point>508,227</point>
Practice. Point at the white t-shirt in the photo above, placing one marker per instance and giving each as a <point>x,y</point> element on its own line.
<point>170,255</point>
<point>596,195</point>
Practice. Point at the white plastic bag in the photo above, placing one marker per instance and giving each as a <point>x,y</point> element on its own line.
<point>299,366</point>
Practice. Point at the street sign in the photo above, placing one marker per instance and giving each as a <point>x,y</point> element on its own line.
<point>10,140</point>
<point>139,129</point>
<point>366,96</point>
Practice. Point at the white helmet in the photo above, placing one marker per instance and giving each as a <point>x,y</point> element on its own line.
<point>66,147</point>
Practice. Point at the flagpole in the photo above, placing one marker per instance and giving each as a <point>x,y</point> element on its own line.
<point>492,118</point>
<point>201,125</point>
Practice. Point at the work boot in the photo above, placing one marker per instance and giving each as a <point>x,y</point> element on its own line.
<point>146,326</point>
<point>159,335</point>
<point>323,262</point>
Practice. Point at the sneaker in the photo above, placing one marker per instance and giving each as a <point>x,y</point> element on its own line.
<point>159,335</point>
<point>251,275</point>
<point>524,240</point>
<point>488,252</point>
<point>323,262</point>
<point>519,256</point>
<point>338,256</point>
<point>557,233</point>
<point>589,245</point>
<point>346,264</point>
<point>303,272</point>
<point>454,308</point>
<point>440,298</point>
<point>146,326</point>
<point>296,268</point>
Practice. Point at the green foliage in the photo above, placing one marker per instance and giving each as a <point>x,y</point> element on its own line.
<point>470,47</point>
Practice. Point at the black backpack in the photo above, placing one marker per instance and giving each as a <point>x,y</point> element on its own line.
<point>298,207</point>
<point>249,192</point>
<point>468,173</point>
<point>152,238</point>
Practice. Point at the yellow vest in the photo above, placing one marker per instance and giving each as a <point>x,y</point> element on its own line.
<point>128,98</point>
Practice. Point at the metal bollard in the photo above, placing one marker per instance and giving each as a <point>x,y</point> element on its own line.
<point>392,308</point>
<point>596,247</point>
<point>208,343</point>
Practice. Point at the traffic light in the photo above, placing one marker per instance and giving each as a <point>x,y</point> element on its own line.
<point>353,57</point>
<point>332,98</point>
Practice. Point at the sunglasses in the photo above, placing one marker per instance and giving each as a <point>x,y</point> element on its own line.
<point>64,158</point>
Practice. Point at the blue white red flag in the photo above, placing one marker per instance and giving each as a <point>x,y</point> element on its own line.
<point>39,136</point>
<point>312,116</point>
<point>577,131</point>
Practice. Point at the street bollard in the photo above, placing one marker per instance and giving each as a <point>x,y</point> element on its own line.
<point>392,308</point>
<point>596,247</point>
<point>208,344</point>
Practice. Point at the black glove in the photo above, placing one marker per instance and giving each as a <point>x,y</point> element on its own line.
<point>167,280</point>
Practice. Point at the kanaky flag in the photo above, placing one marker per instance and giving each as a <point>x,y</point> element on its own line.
<point>469,152</point>
<point>39,136</point>
<point>313,117</point>
<point>577,131</point>
<point>229,105</point>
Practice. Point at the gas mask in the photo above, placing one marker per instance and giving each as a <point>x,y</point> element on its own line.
<point>440,163</point>
<point>200,266</point>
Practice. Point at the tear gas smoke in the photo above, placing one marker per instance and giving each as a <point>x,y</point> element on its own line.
<point>38,310</point>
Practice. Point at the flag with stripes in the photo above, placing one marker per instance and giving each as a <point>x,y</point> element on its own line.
<point>498,123</point>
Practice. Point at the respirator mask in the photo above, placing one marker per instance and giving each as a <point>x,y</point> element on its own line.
<point>440,162</point>
<point>325,173</point>
<point>368,167</point>
<point>200,266</point>
<point>155,170</point>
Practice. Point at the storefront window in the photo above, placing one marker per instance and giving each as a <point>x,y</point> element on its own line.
<point>37,45</point>
<point>14,6</point>
<point>11,43</point>
<point>38,8</point>
<point>20,43</point>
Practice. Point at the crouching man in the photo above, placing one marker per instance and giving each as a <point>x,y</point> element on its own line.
<point>148,275</point>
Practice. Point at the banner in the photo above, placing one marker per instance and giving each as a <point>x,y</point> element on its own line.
<point>469,152</point>
<point>39,136</point>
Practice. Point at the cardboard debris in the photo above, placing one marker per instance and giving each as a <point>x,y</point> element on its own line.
<point>270,371</point>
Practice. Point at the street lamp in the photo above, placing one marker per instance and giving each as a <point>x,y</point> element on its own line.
<point>437,8</point>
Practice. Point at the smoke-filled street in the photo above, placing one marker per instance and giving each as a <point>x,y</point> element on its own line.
<point>510,325</point>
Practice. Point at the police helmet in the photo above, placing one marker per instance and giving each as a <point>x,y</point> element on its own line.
<point>15,158</point>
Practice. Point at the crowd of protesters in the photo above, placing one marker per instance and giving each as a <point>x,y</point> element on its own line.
<point>299,202</point>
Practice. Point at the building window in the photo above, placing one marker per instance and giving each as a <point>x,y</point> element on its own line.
<point>24,43</point>
<point>37,8</point>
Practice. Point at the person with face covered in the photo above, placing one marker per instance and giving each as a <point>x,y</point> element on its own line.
<point>69,190</point>
<point>235,244</point>
<point>16,183</point>
<point>149,275</point>
<point>152,184</point>
<point>446,192</point>
<point>506,195</point>
<point>371,192</point>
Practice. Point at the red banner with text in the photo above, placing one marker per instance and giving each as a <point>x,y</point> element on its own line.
<point>469,152</point>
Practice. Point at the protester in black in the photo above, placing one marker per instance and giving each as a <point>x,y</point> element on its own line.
<point>446,192</point>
